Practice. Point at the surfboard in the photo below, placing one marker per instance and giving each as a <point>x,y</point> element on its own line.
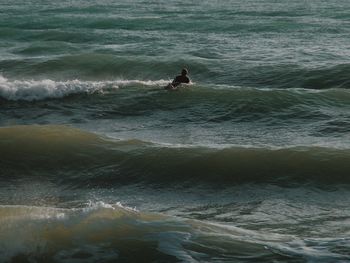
<point>170,86</point>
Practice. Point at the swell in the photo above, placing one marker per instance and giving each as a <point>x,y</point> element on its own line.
<point>71,156</point>
<point>101,66</point>
<point>32,90</point>
<point>292,76</point>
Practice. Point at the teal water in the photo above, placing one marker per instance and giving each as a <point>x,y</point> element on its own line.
<point>249,163</point>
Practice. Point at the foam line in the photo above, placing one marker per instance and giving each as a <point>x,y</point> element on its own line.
<point>30,90</point>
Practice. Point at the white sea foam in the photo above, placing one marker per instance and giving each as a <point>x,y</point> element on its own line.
<point>31,90</point>
<point>91,205</point>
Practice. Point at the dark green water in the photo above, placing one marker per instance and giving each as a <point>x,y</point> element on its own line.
<point>249,163</point>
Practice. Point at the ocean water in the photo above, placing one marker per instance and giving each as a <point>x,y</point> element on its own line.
<point>249,163</point>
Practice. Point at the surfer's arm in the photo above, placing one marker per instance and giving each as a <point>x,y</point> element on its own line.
<point>175,81</point>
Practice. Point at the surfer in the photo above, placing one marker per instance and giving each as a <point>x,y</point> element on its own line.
<point>179,80</point>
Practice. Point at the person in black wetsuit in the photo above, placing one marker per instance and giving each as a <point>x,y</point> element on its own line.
<point>181,78</point>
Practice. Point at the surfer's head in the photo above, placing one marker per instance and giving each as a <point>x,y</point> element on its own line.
<point>184,72</point>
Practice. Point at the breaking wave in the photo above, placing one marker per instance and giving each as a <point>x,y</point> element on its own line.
<point>30,90</point>
<point>101,232</point>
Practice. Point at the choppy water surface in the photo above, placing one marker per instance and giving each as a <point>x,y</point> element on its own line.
<point>250,163</point>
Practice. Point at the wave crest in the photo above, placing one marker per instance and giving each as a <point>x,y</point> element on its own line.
<point>31,90</point>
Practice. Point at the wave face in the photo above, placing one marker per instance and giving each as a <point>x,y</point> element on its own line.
<point>102,66</point>
<point>212,114</point>
<point>92,160</point>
